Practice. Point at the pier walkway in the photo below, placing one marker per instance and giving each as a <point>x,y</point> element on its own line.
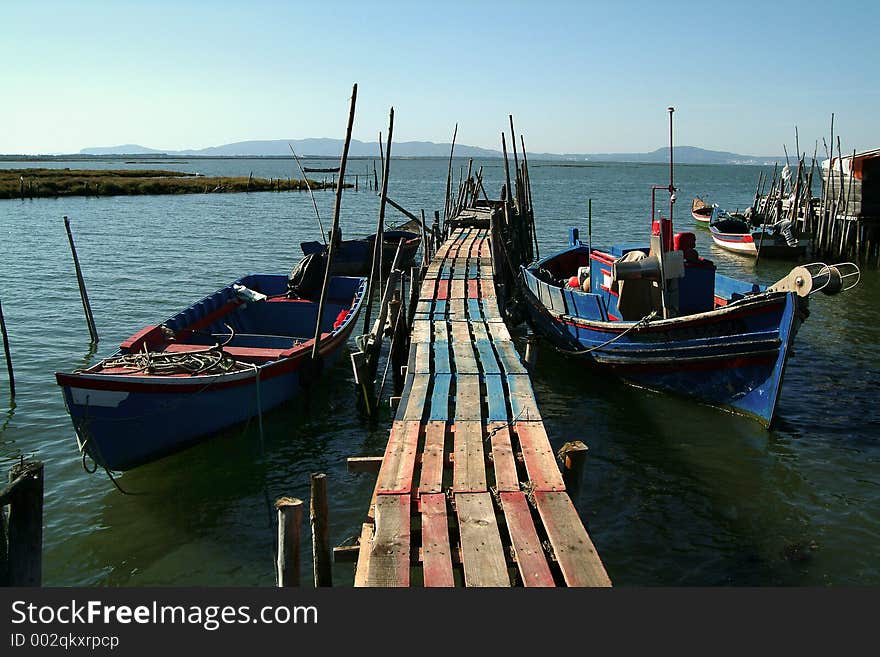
<point>469,491</point>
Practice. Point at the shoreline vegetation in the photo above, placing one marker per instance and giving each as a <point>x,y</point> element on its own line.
<point>53,183</point>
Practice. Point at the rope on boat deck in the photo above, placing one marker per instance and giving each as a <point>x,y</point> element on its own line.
<point>205,361</point>
<point>582,352</point>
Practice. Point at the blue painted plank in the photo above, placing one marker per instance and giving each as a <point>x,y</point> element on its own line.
<point>488,361</point>
<point>440,397</point>
<point>475,311</point>
<point>495,399</point>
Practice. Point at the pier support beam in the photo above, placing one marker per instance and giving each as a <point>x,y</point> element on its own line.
<point>572,457</point>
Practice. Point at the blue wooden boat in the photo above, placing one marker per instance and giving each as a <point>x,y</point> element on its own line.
<point>659,316</point>
<point>238,352</point>
<point>353,257</point>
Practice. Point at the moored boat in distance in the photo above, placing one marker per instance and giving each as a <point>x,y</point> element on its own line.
<point>659,316</point>
<point>736,233</point>
<point>237,353</point>
<point>702,211</point>
<point>354,257</point>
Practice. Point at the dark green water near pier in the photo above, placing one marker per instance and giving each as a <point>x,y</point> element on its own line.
<point>674,493</point>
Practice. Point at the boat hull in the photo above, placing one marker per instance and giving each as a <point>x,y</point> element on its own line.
<point>736,242</point>
<point>732,357</point>
<point>124,420</point>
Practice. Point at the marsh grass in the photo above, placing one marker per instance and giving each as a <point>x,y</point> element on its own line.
<point>35,183</point>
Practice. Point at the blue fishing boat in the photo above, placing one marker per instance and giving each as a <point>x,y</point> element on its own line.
<point>238,352</point>
<point>353,257</point>
<point>658,315</point>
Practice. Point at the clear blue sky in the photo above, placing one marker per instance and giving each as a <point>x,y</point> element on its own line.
<point>577,76</point>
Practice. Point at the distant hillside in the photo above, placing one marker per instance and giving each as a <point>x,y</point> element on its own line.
<point>322,147</point>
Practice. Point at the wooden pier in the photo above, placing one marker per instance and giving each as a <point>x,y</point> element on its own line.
<point>469,491</point>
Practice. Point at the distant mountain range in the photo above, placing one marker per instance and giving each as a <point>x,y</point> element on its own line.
<point>333,148</point>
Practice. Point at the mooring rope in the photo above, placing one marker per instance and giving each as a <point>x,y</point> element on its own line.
<point>582,352</point>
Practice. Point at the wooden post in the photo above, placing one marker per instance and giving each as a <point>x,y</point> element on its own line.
<point>335,229</point>
<point>426,254</point>
<point>319,517</point>
<point>87,308</point>
<point>572,457</point>
<point>289,524</point>
<point>25,525</point>
<point>531,351</point>
<point>6,351</point>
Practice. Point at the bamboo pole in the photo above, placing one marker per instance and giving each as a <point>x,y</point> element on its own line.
<point>528,190</point>
<point>449,175</point>
<point>8,357</point>
<point>87,308</point>
<point>375,281</point>
<point>335,230</point>
<point>287,562</point>
<point>311,194</point>
<point>519,188</point>
<point>320,522</point>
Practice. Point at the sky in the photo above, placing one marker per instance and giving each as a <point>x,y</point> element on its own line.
<point>579,77</point>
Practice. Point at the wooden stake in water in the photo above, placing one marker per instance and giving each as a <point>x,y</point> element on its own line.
<point>319,518</point>
<point>8,357</point>
<point>289,524</point>
<point>335,230</point>
<point>87,308</point>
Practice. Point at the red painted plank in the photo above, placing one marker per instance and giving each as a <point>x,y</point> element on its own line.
<point>530,557</point>
<point>538,456</point>
<point>473,291</point>
<point>442,289</point>
<point>575,553</point>
<point>396,474</point>
<point>436,554</point>
<point>431,480</point>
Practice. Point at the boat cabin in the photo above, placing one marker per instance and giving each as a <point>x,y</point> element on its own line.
<point>560,282</point>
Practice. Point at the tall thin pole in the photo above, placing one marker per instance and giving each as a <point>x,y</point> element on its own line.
<point>381,157</point>
<point>449,174</point>
<point>8,357</point>
<point>87,308</point>
<point>515,164</point>
<point>379,243</point>
<point>309,187</point>
<point>590,225</point>
<point>335,230</point>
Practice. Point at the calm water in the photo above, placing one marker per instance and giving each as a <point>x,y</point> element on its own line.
<point>674,492</point>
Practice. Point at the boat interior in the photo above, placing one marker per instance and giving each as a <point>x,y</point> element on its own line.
<point>258,328</point>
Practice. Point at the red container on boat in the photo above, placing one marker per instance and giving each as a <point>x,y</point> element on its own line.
<point>667,232</point>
